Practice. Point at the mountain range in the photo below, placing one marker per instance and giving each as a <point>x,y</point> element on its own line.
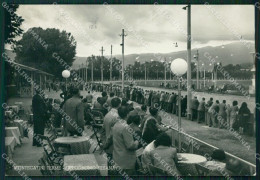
<point>233,53</point>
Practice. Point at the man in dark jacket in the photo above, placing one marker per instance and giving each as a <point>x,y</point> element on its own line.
<point>39,117</point>
<point>151,126</point>
<point>194,108</point>
<point>184,106</point>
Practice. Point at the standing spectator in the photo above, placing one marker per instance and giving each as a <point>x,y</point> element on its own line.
<point>162,99</point>
<point>228,115</point>
<point>184,106</point>
<point>155,100</point>
<point>131,94</point>
<point>74,109</point>
<point>124,146</point>
<point>146,98</point>
<point>214,110</point>
<point>208,114</point>
<point>233,114</point>
<point>167,96</point>
<point>174,101</point>
<point>89,97</point>
<point>170,101</point>
<point>244,117</point>
<point>177,104</point>
<point>222,114</point>
<point>109,121</point>
<point>194,108</point>
<point>201,111</point>
<point>150,98</point>
<point>39,110</point>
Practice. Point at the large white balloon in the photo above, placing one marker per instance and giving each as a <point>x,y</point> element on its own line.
<point>179,66</point>
<point>65,73</point>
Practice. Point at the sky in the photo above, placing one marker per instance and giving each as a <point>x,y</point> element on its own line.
<point>149,28</point>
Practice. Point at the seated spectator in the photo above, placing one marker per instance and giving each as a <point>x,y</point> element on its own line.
<point>104,98</point>
<point>124,146</point>
<point>89,97</point>
<point>97,104</point>
<point>135,122</point>
<point>151,127</point>
<point>220,166</point>
<point>215,162</point>
<point>111,96</point>
<point>102,107</point>
<point>164,155</point>
<point>145,158</point>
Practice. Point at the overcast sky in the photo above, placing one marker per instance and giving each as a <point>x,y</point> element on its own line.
<point>149,28</point>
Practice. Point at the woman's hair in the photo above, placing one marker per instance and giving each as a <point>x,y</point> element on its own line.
<point>163,140</point>
<point>218,154</point>
<point>153,111</point>
<point>235,103</point>
<point>115,102</point>
<point>99,99</point>
<point>244,105</point>
<point>124,102</point>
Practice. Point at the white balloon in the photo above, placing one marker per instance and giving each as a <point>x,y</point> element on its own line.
<point>179,66</point>
<point>65,73</point>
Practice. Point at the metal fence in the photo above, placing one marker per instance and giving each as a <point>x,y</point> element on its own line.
<point>197,146</point>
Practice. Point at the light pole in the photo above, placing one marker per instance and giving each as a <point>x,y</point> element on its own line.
<point>123,58</point>
<point>196,57</point>
<point>179,67</point>
<point>92,68</point>
<point>204,73</point>
<point>86,70</point>
<point>188,60</point>
<point>145,75</point>
<point>66,75</point>
<point>148,69</point>
<point>165,69</point>
<point>102,50</point>
<point>111,61</point>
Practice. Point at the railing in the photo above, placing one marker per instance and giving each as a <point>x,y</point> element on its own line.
<point>208,148</point>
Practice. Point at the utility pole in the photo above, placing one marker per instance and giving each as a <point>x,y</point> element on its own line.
<point>123,58</point>
<point>86,70</point>
<point>197,73</point>
<point>165,69</point>
<point>92,71</point>
<point>102,50</point>
<point>111,65</point>
<point>189,96</point>
<point>145,76</point>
